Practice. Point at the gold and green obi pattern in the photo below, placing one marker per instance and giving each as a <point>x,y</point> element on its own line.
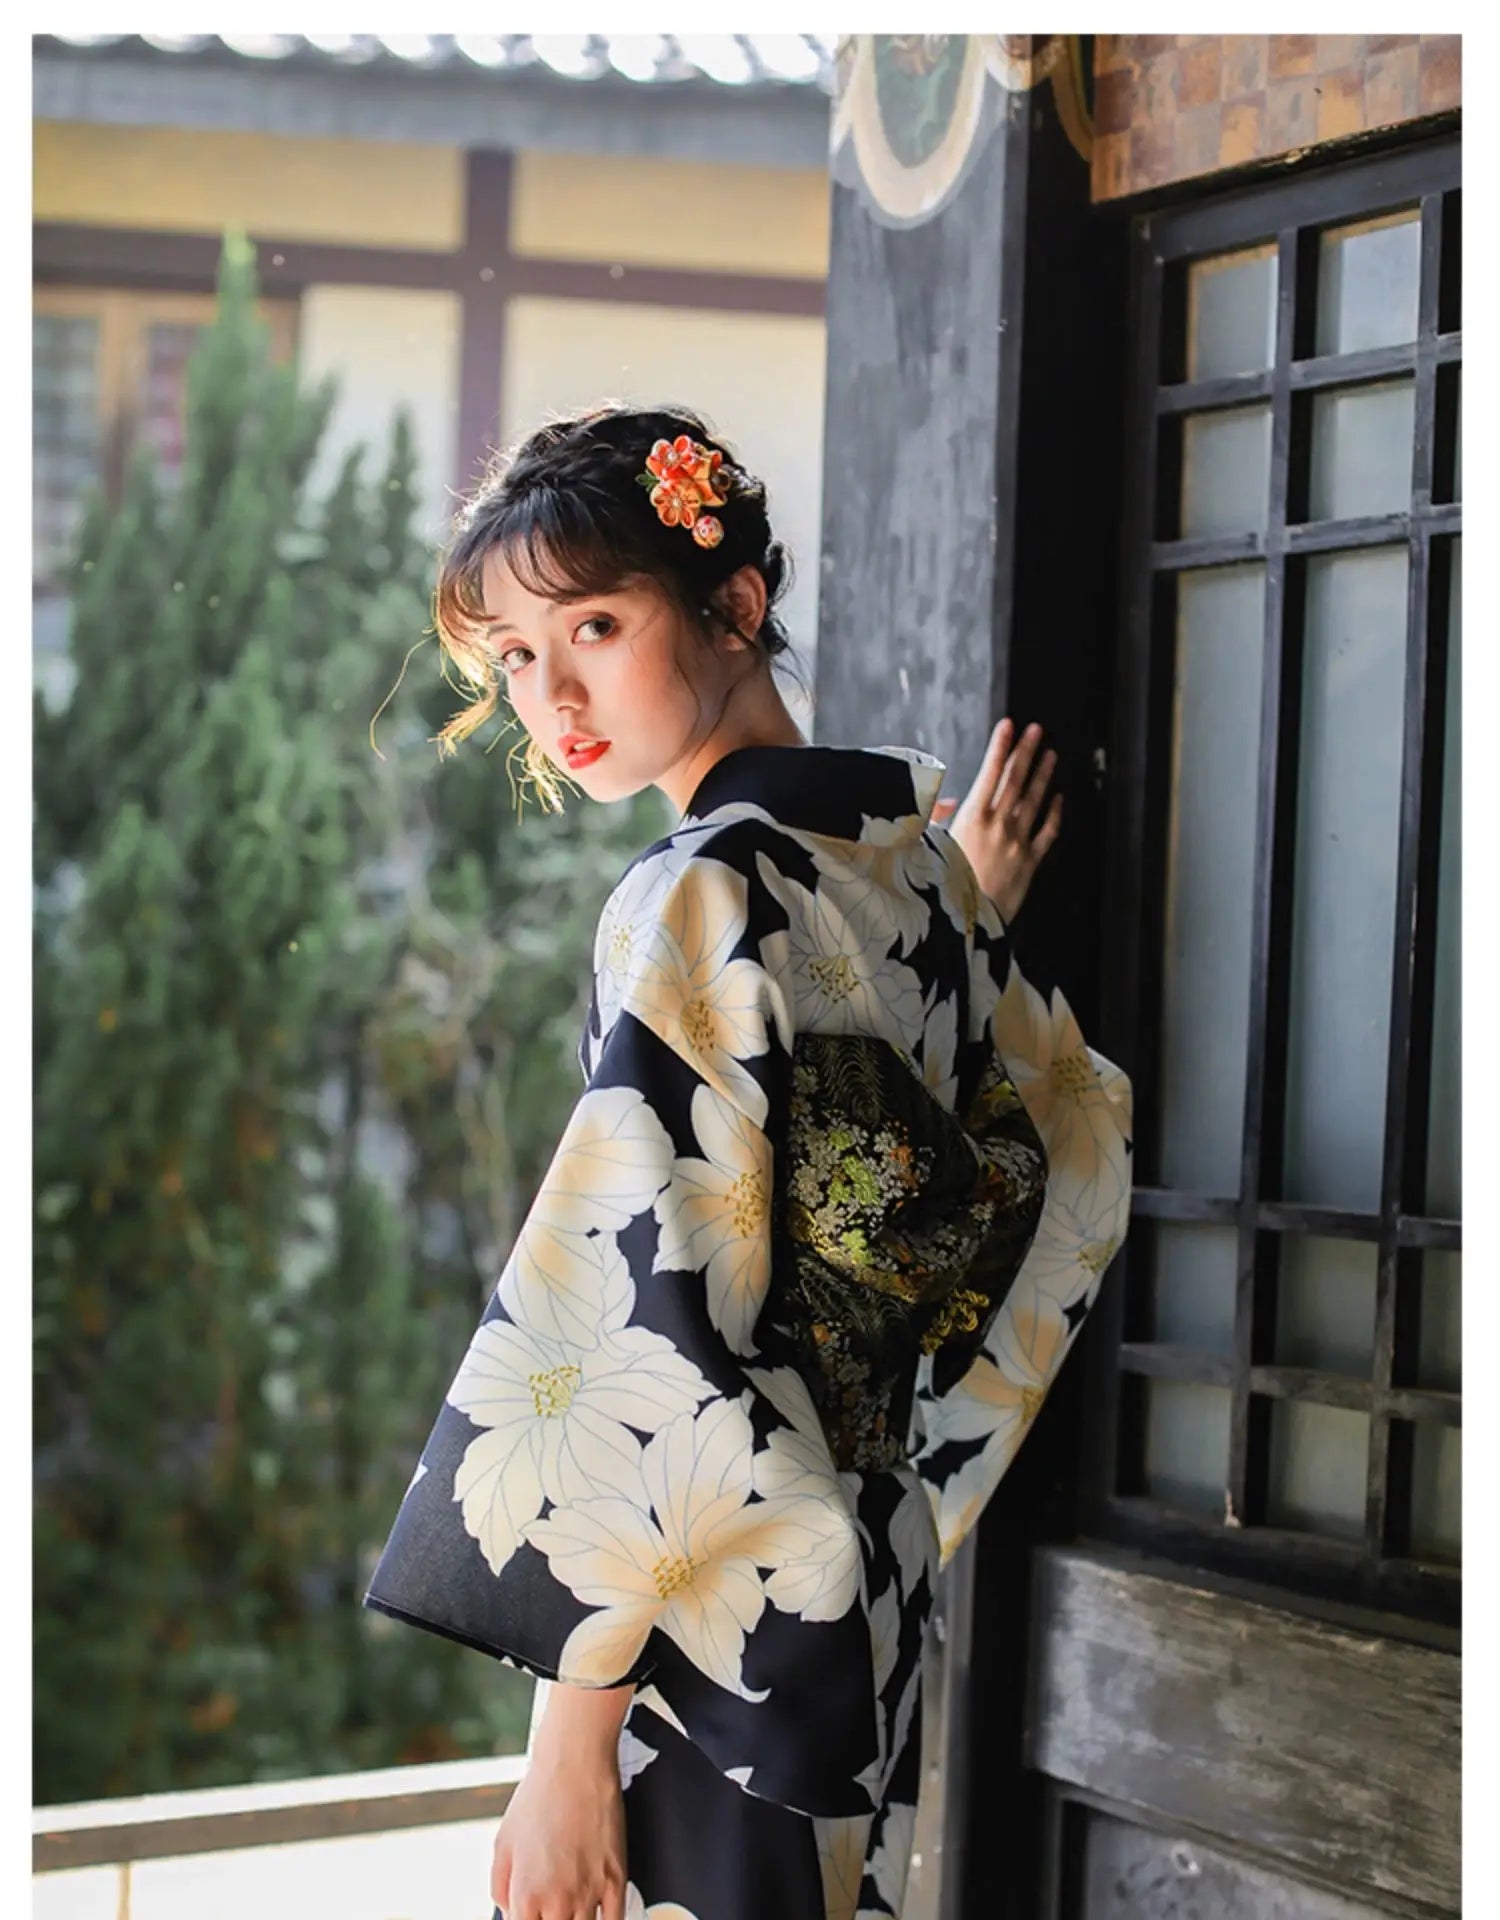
<point>899,1227</point>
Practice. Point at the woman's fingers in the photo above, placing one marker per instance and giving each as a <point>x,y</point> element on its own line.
<point>1035,791</point>
<point>500,1871</point>
<point>992,767</point>
<point>1023,784</point>
<point>1012,779</point>
<point>1050,828</point>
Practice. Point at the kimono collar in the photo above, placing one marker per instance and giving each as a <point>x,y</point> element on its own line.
<point>881,795</point>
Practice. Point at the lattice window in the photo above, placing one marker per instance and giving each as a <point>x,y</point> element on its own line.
<point>110,366</point>
<point>1281,1390</point>
<point>169,346</point>
<point>65,429</point>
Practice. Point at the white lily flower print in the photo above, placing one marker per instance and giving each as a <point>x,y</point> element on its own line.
<point>841,1848</point>
<point>636,1908</point>
<point>844,981</point>
<point>1057,1076</point>
<point>557,1414</point>
<point>673,1453</point>
<point>651,1698</point>
<point>940,1049</point>
<point>885,1634</point>
<point>715,1216</point>
<point>627,920</point>
<point>707,1006</point>
<point>1072,1250</point>
<point>1002,1393</point>
<point>793,1469</point>
<point>878,875</point>
<point>689,1565</point>
<point>913,1538</point>
<point>892,1858</point>
<point>606,1170</point>
<point>996,1401</point>
<point>634,1756</point>
<point>624,923</point>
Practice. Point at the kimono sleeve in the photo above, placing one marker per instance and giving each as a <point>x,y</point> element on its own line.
<point>610,1469</point>
<point>966,1431</point>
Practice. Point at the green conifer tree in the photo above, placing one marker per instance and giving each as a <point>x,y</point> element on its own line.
<point>232,1361</point>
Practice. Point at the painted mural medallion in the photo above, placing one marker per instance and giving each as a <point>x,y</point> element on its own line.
<point>917,77</point>
<point>912,110</point>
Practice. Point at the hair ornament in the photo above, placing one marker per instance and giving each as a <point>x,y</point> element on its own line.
<point>684,477</point>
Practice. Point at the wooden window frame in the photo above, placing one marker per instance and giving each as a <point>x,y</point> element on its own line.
<point>1378,1569</point>
<point>125,317</point>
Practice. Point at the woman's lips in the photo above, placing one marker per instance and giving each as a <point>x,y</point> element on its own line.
<point>586,752</point>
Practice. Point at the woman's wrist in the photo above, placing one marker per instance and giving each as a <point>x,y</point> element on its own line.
<point>582,1722</point>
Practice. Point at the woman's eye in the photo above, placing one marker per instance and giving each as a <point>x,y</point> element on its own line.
<point>514,658</point>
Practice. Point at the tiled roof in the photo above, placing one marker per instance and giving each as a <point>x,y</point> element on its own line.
<point>745,60</point>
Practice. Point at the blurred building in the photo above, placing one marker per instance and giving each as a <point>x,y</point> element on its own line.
<point>487,227</point>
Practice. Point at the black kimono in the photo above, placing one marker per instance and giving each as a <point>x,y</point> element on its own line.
<point>828,1215</point>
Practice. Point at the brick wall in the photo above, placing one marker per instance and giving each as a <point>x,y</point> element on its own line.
<point>1170,107</point>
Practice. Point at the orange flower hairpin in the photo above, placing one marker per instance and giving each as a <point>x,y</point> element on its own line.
<point>684,477</point>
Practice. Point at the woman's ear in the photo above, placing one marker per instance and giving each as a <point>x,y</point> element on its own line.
<point>743,600</point>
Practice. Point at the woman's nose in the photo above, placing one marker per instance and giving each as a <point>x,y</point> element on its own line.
<point>553,682</point>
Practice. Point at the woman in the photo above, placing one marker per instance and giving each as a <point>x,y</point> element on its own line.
<point>825,1220</point>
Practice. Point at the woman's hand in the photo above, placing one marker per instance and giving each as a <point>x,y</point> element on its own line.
<point>993,825</point>
<point>560,1851</point>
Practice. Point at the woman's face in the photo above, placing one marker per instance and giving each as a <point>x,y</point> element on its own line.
<point>621,668</point>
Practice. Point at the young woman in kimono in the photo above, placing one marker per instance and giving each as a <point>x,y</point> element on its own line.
<point>830,1210</point>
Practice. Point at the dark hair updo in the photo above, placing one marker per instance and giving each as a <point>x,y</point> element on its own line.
<point>568,511</point>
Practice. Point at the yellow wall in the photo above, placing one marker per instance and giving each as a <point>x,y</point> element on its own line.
<point>671,213</point>
<point>360,192</point>
<point>387,345</point>
<point>756,378</point>
<point>759,378</point>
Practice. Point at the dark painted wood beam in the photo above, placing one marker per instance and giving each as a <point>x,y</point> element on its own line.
<point>68,254</point>
<point>488,184</point>
<point>484,272</point>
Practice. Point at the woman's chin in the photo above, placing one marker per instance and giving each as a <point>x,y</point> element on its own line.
<point>603,783</point>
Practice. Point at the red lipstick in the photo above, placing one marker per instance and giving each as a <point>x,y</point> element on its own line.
<point>579,750</point>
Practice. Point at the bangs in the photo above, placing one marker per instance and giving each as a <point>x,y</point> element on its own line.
<point>556,548</point>
<point>554,545</point>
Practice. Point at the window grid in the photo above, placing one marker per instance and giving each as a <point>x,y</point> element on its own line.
<point>88,418</point>
<point>1378,1567</point>
<point>65,441</point>
<point>169,347</point>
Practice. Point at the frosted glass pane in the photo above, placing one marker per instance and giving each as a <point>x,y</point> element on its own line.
<point>65,442</point>
<point>1231,320</point>
<point>1439,1347</point>
<point>1210,859</point>
<point>1226,468</point>
<point>1368,277</point>
<point>1194,1286</point>
<point>1187,1445</point>
<point>1325,1304</point>
<point>1361,450</point>
<point>1445,1094</point>
<point>1436,1493</point>
<point>1344,886</point>
<point>1319,1466</point>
